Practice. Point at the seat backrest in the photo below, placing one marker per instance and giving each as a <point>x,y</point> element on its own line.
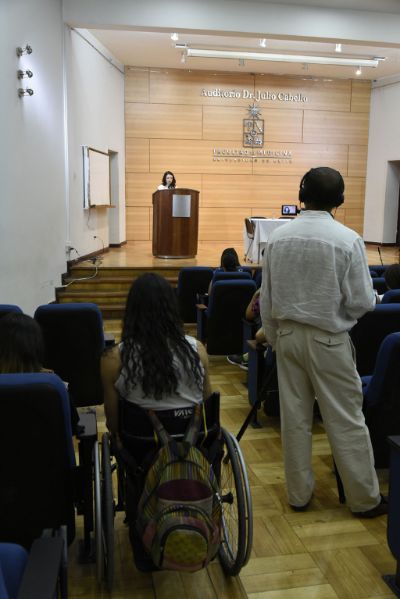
<point>13,560</point>
<point>230,275</point>
<point>36,489</point>
<point>382,399</point>
<point>369,332</point>
<point>379,284</point>
<point>250,227</point>
<point>74,342</point>
<point>379,269</point>
<point>137,433</point>
<point>7,308</point>
<point>391,297</point>
<point>226,309</point>
<point>192,280</point>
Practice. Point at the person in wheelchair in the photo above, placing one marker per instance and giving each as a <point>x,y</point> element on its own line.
<point>155,367</point>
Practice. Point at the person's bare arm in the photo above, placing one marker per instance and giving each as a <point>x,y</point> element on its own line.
<point>249,310</point>
<point>110,370</point>
<point>204,360</point>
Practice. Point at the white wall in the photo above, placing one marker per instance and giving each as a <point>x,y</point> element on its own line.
<point>95,101</point>
<point>32,203</point>
<point>381,197</point>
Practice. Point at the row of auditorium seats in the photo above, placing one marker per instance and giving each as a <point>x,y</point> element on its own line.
<point>195,280</point>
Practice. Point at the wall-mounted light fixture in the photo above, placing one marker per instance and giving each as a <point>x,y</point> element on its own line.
<point>25,92</point>
<point>263,43</point>
<point>358,71</point>
<point>271,57</point>
<point>174,37</point>
<point>21,74</point>
<point>25,50</point>
<point>338,47</point>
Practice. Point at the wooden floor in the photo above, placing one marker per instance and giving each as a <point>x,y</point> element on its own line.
<point>324,553</point>
<point>138,254</point>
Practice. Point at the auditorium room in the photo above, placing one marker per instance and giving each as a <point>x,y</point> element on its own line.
<point>200,299</point>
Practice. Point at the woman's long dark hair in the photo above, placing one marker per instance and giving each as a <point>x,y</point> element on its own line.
<point>230,259</point>
<point>164,179</point>
<point>152,335</point>
<point>21,344</point>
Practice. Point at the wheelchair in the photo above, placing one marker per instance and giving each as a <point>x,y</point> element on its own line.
<point>114,469</point>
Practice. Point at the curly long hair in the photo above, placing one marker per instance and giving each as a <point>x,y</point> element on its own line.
<point>152,335</point>
<point>21,344</point>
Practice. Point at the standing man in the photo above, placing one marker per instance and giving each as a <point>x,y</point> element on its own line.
<point>316,284</point>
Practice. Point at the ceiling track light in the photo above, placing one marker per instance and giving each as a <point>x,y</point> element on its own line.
<point>358,71</point>
<point>174,37</point>
<point>25,92</point>
<point>263,43</point>
<point>326,60</point>
<point>21,74</point>
<point>338,47</point>
<point>25,50</point>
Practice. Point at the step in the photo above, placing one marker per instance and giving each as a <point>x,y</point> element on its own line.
<point>93,296</point>
<point>128,272</point>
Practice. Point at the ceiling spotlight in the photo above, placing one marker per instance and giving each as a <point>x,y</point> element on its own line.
<point>22,74</point>
<point>338,47</point>
<point>26,50</point>
<point>358,71</point>
<point>263,43</point>
<point>174,37</point>
<point>183,58</point>
<point>25,92</point>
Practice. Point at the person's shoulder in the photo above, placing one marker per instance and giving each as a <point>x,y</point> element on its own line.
<point>161,187</point>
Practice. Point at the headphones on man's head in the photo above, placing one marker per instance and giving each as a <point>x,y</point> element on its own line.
<point>314,187</point>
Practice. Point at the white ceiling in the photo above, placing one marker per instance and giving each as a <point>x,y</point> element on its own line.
<point>157,50</point>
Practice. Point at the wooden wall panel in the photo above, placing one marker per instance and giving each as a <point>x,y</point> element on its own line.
<point>304,157</point>
<point>139,188</point>
<point>226,123</point>
<point>179,120</point>
<point>262,192</point>
<point>137,85</point>
<point>185,87</point>
<point>163,121</point>
<point>192,156</point>
<point>219,224</point>
<point>137,155</point>
<point>358,161</point>
<point>354,192</point>
<point>137,223</point>
<point>335,127</point>
<point>360,96</point>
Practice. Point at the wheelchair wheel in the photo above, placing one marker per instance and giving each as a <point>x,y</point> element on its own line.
<point>107,501</point>
<point>97,515</point>
<point>237,518</point>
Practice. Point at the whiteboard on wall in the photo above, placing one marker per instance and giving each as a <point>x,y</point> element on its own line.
<point>96,178</point>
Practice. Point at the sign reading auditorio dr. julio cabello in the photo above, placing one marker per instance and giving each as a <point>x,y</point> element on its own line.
<point>253,126</point>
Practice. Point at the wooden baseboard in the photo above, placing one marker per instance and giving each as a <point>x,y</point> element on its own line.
<point>118,245</point>
<point>381,243</point>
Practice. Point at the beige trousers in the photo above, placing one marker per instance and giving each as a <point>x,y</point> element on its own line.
<point>316,364</point>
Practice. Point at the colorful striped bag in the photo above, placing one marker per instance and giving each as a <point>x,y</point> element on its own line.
<point>179,512</point>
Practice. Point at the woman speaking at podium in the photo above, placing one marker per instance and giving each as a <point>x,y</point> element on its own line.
<point>168,181</point>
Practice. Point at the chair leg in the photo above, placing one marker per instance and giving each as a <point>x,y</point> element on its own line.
<point>339,483</point>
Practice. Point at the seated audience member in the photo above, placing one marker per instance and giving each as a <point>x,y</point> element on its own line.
<point>252,314</point>
<point>22,350</point>
<point>392,279</point>
<point>229,263</point>
<point>156,365</point>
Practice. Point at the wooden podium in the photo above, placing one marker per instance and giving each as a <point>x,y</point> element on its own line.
<point>175,223</point>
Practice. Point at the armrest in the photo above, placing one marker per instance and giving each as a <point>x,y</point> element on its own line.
<point>88,421</point>
<point>41,574</point>
<point>109,340</point>
<point>201,306</point>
